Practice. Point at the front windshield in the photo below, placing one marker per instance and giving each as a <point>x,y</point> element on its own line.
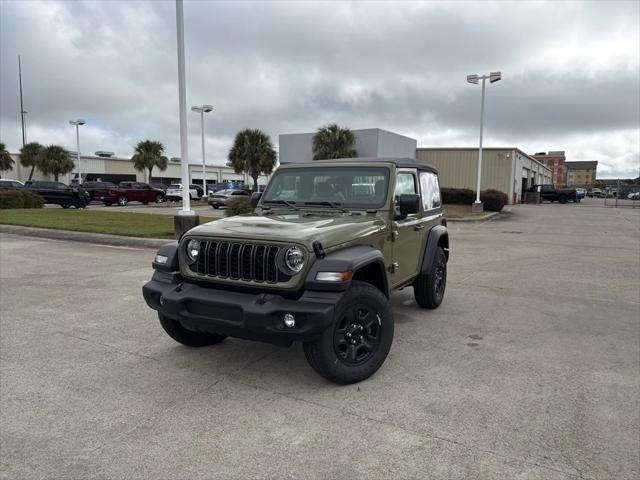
<point>347,186</point>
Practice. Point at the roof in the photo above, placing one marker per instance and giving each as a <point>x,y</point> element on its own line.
<point>398,162</point>
<point>582,165</point>
<point>516,149</point>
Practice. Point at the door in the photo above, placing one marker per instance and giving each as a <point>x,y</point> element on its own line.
<point>547,192</point>
<point>407,233</point>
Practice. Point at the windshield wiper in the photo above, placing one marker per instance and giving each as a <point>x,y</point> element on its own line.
<point>329,204</point>
<point>283,202</point>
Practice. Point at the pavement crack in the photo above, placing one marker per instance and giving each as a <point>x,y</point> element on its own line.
<point>471,448</point>
<point>106,345</point>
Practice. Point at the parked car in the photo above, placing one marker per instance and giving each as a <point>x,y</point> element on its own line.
<point>553,194</point>
<point>581,193</point>
<point>317,267</point>
<point>132,192</point>
<point>634,196</point>
<point>96,189</point>
<point>174,192</point>
<point>8,183</point>
<point>58,193</point>
<point>222,198</point>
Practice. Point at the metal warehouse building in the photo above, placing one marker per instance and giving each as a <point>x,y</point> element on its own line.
<point>109,168</point>
<point>509,170</point>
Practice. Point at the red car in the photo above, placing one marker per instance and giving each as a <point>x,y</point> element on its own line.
<point>131,192</point>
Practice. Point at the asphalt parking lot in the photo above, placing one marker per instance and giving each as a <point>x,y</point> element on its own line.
<point>530,369</point>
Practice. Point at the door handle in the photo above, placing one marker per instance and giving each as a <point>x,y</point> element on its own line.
<point>418,227</point>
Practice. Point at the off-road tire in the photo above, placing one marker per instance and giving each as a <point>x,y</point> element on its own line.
<point>429,288</point>
<point>324,354</point>
<point>188,337</point>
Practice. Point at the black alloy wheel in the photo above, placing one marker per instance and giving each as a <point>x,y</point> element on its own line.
<point>357,335</point>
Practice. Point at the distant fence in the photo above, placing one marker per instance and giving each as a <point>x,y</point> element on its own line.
<point>623,195</point>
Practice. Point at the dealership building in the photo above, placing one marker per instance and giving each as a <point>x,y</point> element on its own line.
<point>509,170</point>
<point>105,166</point>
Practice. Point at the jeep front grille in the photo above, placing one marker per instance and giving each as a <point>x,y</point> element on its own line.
<point>239,261</point>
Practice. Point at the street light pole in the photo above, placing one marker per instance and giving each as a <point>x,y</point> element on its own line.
<point>77,123</point>
<point>182,102</point>
<point>493,77</point>
<point>202,110</point>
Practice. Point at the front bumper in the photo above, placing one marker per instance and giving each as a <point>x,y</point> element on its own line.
<point>240,314</point>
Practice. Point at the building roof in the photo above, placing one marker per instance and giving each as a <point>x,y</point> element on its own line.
<point>398,162</point>
<point>530,157</point>
<point>592,165</point>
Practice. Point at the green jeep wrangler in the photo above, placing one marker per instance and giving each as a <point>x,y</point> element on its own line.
<point>316,262</point>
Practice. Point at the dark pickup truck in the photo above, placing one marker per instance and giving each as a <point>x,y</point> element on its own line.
<point>59,193</point>
<point>131,192</point>
<point>553,194</point>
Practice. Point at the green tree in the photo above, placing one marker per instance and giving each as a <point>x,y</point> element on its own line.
<point>333,141</point>
<point>29,155</point>
<point>149,154</point>
<point>252,152</point>
<point>6,162</point>
<point>54,159</point>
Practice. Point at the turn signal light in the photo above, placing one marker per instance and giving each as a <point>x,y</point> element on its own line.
<point>334,276</point>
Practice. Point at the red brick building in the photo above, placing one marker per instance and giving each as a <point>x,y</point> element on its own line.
<point>555,161</point>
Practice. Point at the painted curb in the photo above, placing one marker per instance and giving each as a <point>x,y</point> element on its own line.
<point>99,238</point>
<point>472,219</point>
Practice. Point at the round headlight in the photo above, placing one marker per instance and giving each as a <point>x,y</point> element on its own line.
<point>294,259</point>
<point>193,250</point>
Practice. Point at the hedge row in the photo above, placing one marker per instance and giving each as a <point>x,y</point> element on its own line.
<point>493,200</point>
<point>17,198</point>
<point>238,206</point>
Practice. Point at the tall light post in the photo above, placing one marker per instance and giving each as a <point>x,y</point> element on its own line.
<point>77,123</point>
<point>493,77</point>
<point>202,110</point>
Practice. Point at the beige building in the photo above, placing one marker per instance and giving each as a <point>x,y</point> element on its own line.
<point>115,169</point>
<point>581,174</point>
<point>509,170</point>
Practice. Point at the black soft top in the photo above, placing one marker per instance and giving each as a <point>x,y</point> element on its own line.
<point>398,162</point>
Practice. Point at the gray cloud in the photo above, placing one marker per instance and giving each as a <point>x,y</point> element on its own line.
<point>571,72</point>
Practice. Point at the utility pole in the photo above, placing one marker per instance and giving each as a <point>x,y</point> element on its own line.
<point>22,112</point>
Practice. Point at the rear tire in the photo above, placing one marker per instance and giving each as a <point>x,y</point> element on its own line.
<point>428,288</point>
<point>357,343</point>
<point>122,201</point>
<point>188,337</point>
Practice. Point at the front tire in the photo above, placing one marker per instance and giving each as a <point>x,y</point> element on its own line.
<point>357,343</point>
<point>122,200</point>
<point>188,337</point>
<point>428,288</point>
<point>159,199</point>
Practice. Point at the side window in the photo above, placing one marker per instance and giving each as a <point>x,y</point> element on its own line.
<point>405,183</point>
<point>430,190</point>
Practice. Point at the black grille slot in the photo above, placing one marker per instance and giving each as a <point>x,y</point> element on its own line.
<point>240,261</point>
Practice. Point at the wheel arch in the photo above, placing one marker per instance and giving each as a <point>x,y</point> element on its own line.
<point>438,237</point>
<point>366,263</point>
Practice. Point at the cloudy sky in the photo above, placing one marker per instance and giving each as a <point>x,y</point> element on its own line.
<point>571,74</point>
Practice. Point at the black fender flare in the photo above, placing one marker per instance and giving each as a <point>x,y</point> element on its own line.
<point>169,250</point>
<point>433,240</point>
<point>347,259</point>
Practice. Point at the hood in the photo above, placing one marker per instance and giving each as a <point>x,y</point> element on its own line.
<point>295,227</point>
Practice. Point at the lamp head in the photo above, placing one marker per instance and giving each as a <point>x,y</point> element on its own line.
<point>207,108</point>
<point>472,78</point>
<point>495,77</point>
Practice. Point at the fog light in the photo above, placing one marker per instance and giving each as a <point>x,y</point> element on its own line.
<point>161,259</point>
<point>289,320</point>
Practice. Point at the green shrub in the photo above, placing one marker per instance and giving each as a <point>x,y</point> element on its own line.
<point>17,198</point>
<point>238,206</point>
<point>493,200</point>
<point>460,196</point>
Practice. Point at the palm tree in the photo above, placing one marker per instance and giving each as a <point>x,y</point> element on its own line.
<point>333,141</point>
<point>149,154</point>
<point>6,162</point>
<point>29,154</point>
<point>56,160</point>
<point>252,152</point>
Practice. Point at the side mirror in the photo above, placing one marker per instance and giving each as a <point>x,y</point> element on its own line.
<point>408,203</point>
<point>255,198</point>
